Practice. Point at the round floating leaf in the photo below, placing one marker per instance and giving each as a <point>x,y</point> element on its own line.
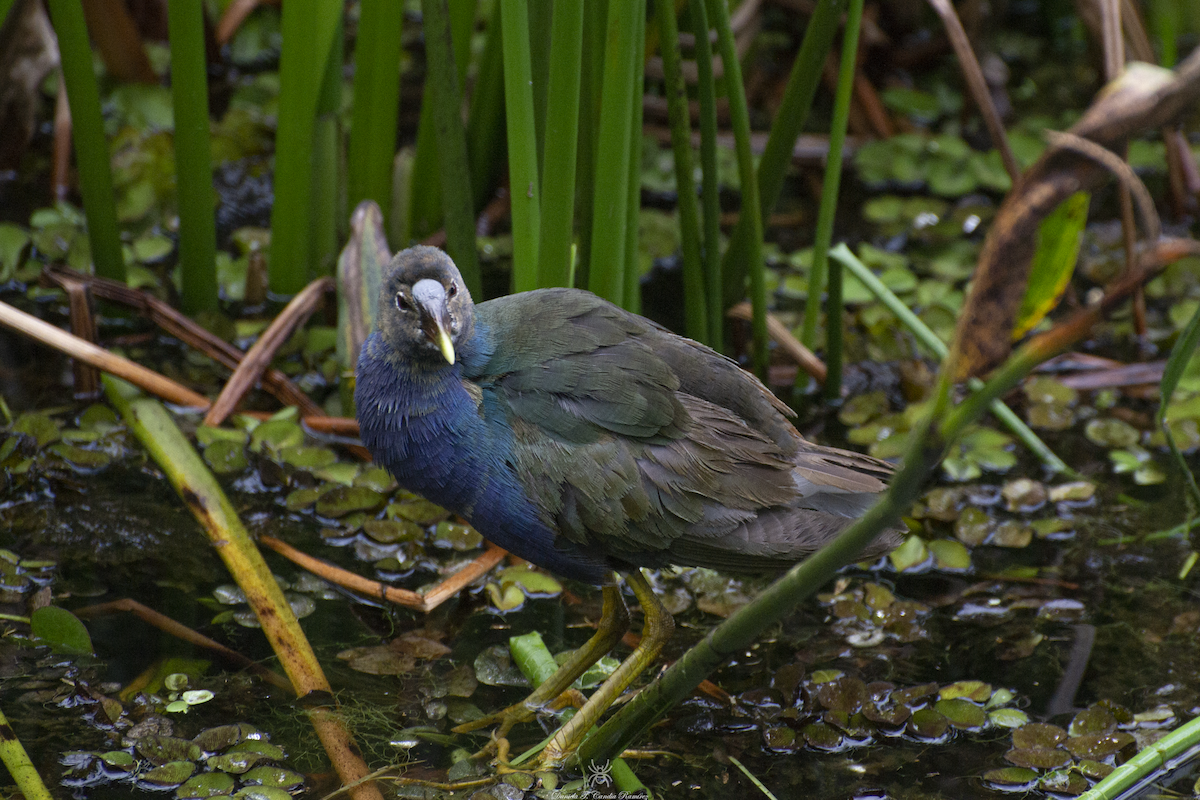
<point>262,793</point>
<point>418,510</point>
<point>342,500</point>
<point>1024,495</point>
<point>275,435</point>
<point>159,750</point>
<point>172,773</point>
<point>779,738</point>
<point>962,713</point>
<point>1064,781</point>
<point>1011,776</point>
<point>210,784</point>
<point>1038,735</point>
<point>1008,717</point>
<point>1038,757</point>
<point>494,667</point>
<point>342,472</point>
<point>977,691</point>
<point>307,457</point>
<point>41,427</point>
<point>85,461</point>
<point>507,597</point>
<point>910,554</point>
<point>1094,719</point>
<point>949,554</point>
<point>533,582</point>
<point>61,631</point>
<point>235,763</point>
<point>1094,769</point>
<point>376,478</point>
<point>274,776</point>
<point>1099,746</point>
<point>928,724</point>
<point>390,531</point>
<point>225,456</point>
<point>1012,533</point>
<point>455,535</point>
<point>120,759</point>
<point>822,736</point>
<point>973,526</point>
<point>1111,432</point>
<point>1044,389</point>
<point>221,737</point>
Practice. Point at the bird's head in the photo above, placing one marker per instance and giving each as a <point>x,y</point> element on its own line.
<point>425,311</point>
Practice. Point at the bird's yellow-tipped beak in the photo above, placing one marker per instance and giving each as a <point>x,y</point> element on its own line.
<point>445,344</point>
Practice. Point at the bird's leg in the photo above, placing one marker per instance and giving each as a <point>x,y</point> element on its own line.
<point>614,621</point>
<point>656,631</point>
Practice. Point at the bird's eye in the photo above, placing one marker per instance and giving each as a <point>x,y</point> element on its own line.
<point>452,290</point>
<point>402,302</point>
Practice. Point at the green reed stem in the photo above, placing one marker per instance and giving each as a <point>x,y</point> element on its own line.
<point>751,206</point>
<point>710,192</point>
<point>828,213</point>
<point>524,186</point>
<point>193,157</point>
<point>606,262</point>
<point>561,144</point>
<point>789,119</point>
<point>590,85</point>
<point>695,304</point>
<point>308,33</point>
<point>633,201</point>
<point>372,146</point>
<point>485,119</point>
<point>443,91</point>
<point>87,132</point>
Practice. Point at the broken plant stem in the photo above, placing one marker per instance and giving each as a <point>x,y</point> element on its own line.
<point>195,484</point>
<point>20,767</point>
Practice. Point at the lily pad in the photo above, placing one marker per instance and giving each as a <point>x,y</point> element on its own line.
<point>210,784</point>
<point>274,776</point>
<point>342,500</point>
<point>172,773</point>
<point>1038,757</point>
<point>159,750</point>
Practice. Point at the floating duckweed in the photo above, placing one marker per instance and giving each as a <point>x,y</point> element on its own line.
<point>1012,533</point>
<point>1024,495</point>
<point>275,435</point>
<point>207,436</point>
<point>912,553</point>
<point>274,776</point>
<point>224,457</point>
<point>962,713</point>
<point>1099,746</point>
<point>376,478</point>
<point>235,763</point>
<point>978,691</point>
<point>221,737</point>
<point>120,759</point>
<point>342,500</point>
<point>342,472</point>
<point>229,594</point>
<point>260,746</point>
<point>42,428</point>
<point>455,535</point>
<point>1038,757</point>
<point>417,510</point>
<point>533,582</point>
<point>1111,432</point>
<point>973,526</point>
<point>1008,718</point>
<point>390,531</point>
<point>170,774</point>
<point>159,750</point>
<point>210,784</point>
<point>1063,781</point>
<point>300,499</point>
<point>263,793</point>
<point>928,724</point>
<point>507,597</point>
<point>949,554</point>
<point>1011,777</point>
<point>307,457</point>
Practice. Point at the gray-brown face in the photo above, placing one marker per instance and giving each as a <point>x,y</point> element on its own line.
<point>425,312</point>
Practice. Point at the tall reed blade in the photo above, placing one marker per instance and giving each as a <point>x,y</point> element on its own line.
<point>376,103</point>
<point>710,190</point>
<point>740,117</point>
<point>193,157</point>
<point>308,32</point>
<point>606,263</point>
<point>561,145</point>
<point>825,218</point>
<point>524,186</point>
<point>694,303</point>
<point>87,132</point>
<point>451,143</point>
